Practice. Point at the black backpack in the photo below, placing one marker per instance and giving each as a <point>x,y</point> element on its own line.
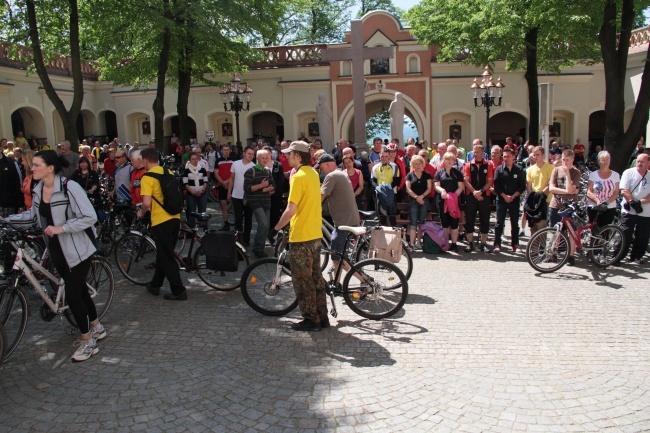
<point>173,200</point>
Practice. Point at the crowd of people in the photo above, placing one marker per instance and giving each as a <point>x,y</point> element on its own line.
<point>418,182</point>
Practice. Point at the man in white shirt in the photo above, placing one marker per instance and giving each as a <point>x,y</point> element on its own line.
<point>635,187</point>
<point>236,195</point>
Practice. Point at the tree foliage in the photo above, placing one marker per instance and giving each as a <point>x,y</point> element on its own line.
<point>206,37</point>
<point>379,124</point>
<point>49,27</point>
<point>530,35</point>
<point>306,22</point>
<point>366,6</point>
<point>617,22</point>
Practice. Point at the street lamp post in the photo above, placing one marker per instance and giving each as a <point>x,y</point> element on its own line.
<point>484,96</point>
<point>234,97</point>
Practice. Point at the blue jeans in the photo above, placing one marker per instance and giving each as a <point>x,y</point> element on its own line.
<point>193,202</point>
<point>417,213</point>
<point>263,217</point>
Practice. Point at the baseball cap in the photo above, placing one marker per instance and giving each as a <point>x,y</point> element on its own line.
<point>297,146</point>
<point>323,159</point>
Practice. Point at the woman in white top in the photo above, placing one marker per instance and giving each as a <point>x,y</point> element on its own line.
<point>603,189</point>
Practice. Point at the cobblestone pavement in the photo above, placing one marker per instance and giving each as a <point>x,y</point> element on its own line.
<point>482,345</point>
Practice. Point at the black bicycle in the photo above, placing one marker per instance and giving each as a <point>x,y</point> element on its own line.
<point>372,288</point>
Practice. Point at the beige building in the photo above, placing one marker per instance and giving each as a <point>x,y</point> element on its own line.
<point>286,86</point>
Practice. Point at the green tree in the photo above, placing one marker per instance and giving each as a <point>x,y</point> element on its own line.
<point>618,21</point>
<point>530,35</point>
<point>135,51</point>
<point>366,6</point>
<point>377,124</point>
<point>49,27</point>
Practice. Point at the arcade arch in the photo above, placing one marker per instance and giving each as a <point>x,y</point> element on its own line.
<point>507,124</point>
<point>375,102</point>
<point>596,129</point>
<point>137,128</point>
<point>30,121</point>
<point>107,126</point>
<point>222,125</point>
<point>563,126</point>
<point>266,125</point>
<point>170,124</point>
<point>456,126</point>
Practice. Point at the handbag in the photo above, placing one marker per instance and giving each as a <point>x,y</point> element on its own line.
<point>386,244</point>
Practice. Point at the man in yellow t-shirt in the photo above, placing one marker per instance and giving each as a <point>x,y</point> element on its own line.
<point>538,178</point>
<point>304,213</point>
<point>164,228</point>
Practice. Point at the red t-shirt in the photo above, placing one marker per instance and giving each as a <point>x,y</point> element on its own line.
<point>579,149</point>
<point>109,167</point>
<point>136,176</point>
<point>222,166</point>
<point>282,159</point>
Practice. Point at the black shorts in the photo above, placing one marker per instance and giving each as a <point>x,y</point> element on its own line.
<point>223,193</point>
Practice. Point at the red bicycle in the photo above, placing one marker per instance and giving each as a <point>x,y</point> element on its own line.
<point>548,249</point>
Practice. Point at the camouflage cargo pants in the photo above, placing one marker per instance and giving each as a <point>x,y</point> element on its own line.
<point>308,281</point>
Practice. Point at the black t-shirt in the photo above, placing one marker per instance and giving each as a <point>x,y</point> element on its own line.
<point>419,186</point>
<point>449,182</point>
<point>53,245</point>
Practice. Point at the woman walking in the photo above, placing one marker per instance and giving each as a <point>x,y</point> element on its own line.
<point>62,209</point>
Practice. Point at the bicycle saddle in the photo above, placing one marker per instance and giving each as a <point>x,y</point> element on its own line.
<point>357,231</point>
<point>368,214</point>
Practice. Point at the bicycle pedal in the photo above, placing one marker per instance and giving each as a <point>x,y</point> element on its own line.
<point>333,313</point>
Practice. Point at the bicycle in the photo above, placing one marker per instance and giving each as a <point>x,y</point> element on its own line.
<point>548,249</point>
<point>116,224</point>
<point>14,304</point>
<point>135,256</point>
<point>358,248</point>
<point>372,288</point>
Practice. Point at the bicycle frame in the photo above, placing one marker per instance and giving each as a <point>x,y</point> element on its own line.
<point>576,233</point>
<point>25,264</point>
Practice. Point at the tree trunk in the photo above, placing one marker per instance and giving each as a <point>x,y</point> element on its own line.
<point>614,46</point>
<point>68,117</point>
<point>532,82</point>
<point>184,84</point>
<point>159,102</point>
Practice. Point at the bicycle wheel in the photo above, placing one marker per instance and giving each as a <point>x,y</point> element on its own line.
<point>213,194</point>
<point>548,250</point>
<point>3,343</point>
<point>101,284</point>
<point>184,235</point>
<point>266,292</point>
<point>220,280</point>
<point>14,312</point>
<point>135,256</point>
<point>375,289</point>
<point>405,263</point>
<point>607,246</point>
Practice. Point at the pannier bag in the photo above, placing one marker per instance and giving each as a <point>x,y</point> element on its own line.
<point>220,251</point>
<point>386,243</point>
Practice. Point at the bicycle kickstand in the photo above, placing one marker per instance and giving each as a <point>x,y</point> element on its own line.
<point>333,311</point>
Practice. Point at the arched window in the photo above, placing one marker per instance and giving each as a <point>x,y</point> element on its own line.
<point>413,64</point>
<point>346,68</point>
